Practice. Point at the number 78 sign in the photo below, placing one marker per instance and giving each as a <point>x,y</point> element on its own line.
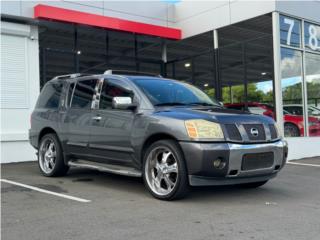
<point>291,33</point>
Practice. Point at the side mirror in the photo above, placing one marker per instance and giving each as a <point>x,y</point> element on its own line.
<point>123,103</point>
<point>221,104</point>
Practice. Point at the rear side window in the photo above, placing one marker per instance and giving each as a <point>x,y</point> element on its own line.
<point>50,96</point>
<point>109,91</point>
<point>83,94</point>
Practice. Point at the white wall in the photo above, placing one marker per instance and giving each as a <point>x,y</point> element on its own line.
<point>303,147</point>
<point>304,9</point>
<point>195,17</point>
<point>19,89</point>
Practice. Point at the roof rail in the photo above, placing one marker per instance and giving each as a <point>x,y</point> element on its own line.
<point>128,72</point>
<point>72,75</point>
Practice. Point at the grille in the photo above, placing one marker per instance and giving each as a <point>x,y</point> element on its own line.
<point>253,161</point>
<point>273,131</point>
<point>233,132</point>
<point>259,127</point>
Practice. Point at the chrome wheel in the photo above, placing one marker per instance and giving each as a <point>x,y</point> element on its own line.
<point>161,170</point>
<point>47,156</point>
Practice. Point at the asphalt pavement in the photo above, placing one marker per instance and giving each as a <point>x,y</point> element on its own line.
<point>106,206</point>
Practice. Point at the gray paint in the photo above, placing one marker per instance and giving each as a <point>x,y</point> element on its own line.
<point>120,137</point>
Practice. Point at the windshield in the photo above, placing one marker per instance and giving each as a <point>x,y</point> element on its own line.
<point>163,92</point>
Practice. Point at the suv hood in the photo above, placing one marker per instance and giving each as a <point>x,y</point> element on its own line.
<point>221,115</point>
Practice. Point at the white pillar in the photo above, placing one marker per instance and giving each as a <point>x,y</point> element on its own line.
<point>277,71</point>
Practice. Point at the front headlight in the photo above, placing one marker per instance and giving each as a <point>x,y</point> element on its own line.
<point>199,128</point>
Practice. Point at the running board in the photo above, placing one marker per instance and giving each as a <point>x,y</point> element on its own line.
<point>121,170</point>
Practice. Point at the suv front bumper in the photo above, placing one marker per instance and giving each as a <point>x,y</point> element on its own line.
<point>200,157</point>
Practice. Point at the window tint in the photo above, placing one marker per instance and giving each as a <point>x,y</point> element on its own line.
<point>83,94</point>
<point>50,96</point>
<point>110,90</point>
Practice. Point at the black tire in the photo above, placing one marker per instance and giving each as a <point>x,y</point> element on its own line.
<point>253,184</point>
<point>181,186</point>
<point>291,130</point>
<point>60,168</point>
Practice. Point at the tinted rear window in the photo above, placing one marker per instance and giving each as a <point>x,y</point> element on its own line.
<point>50,96</point>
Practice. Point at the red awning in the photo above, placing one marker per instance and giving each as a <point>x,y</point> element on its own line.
<point>71,16</point>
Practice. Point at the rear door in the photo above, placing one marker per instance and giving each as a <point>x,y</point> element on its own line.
<point>78,116</point>
<point>110,139</point>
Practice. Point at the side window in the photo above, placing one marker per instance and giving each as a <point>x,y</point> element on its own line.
<point>83,94</point>
<point>50,96</point>
<point>109,91</point>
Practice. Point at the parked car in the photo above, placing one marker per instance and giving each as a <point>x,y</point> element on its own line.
<point>293,124</point>
<point>168,132</point>
<point>297,109</point>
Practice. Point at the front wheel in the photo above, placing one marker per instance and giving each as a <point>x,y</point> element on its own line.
<point>165,174</point>
<point>50,157</point>
<point>291,130</point>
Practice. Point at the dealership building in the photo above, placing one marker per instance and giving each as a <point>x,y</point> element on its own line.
<point>259,56</point>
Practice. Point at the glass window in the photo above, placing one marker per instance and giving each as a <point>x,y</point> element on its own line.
<point>167,92</point>
<point>204,73</point>
<point>312,36</point>
<point>313,92</point>
<point>83,94</point>
<point>50,96</point>
<point>111,90</point>
<point>290,31</point>
<point>291,83</point>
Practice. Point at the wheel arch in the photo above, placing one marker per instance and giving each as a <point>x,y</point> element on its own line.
<point>153,138</point>
<point>45,131</point>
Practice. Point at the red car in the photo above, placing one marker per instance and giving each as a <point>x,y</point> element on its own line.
<point>293,124</point>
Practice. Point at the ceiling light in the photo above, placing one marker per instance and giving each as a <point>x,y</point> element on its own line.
<point>78,52</point>
<point>263,73</point>
<point>187,64</point>
<point>206,84</point>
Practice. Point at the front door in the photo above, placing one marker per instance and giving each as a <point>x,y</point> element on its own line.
<point>110,139</point>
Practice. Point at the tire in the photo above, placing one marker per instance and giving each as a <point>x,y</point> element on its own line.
<point>164,170</point>
<point>291,130</point>
<point>253,184</point>
<point>50,156</point>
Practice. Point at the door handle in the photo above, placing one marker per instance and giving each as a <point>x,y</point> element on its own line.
<point>97,118</point>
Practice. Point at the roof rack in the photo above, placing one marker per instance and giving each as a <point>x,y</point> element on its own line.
<point>128,72</point>
<point>72,75</point>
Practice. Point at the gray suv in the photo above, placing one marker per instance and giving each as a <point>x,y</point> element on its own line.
<point>168,132</point>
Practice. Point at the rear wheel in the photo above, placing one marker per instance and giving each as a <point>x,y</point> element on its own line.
<point>291,130</point>
<point>253,184</point>
<point>50,157</point>
<point>165,174</point>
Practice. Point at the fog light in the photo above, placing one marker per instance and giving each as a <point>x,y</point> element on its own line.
<point>219,163</point>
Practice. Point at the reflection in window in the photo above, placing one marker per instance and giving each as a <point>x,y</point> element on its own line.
<point>313,92</point>
<point>83,94</point>
<point>109,91</point>
<point>291,83</point>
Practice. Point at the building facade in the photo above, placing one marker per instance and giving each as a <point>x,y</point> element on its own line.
<point>258,56</point>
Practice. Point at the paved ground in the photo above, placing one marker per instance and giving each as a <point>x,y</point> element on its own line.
<point>288,207</point>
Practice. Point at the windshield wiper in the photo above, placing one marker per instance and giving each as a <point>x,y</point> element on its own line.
<point>170,104</point>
